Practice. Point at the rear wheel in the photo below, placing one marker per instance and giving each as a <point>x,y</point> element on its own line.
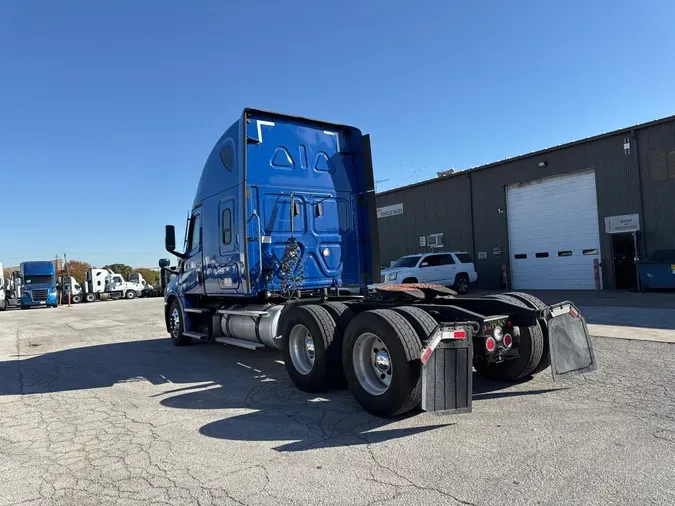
<point>76,299</point>
<point>310,345</point>
<point>176,325</point>
<point>530,345</point>
<point>380,356</point>
<point>423,323</point>
<point>461,285</point>
<point>536,303</point>
<point>3,304</point>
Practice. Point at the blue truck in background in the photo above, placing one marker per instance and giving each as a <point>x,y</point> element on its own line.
<point>38,284</point>
<point>284,215</point>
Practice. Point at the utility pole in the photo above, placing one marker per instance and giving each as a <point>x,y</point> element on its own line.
<point>65,263</point>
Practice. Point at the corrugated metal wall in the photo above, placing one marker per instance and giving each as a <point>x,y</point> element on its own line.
<point>440,207</point>
<point>659,196</point>
<point>444,205</point>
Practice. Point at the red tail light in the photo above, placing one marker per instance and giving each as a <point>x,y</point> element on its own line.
<point>508,340</point>
<point>459,334</point>
<point>490,344</point>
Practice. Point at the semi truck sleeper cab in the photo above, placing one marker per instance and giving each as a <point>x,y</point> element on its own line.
<point>284,215</point>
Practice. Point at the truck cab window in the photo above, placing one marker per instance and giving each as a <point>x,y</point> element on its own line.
<point>195,233</point>
<point>227,227</point>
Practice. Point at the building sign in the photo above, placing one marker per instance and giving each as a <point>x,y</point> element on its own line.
<point>423,241</point>
<point>626,223</point>
<point>386,211</point>
<point>482,255</point>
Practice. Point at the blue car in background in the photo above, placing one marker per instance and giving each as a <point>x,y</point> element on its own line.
<point>38,284</point>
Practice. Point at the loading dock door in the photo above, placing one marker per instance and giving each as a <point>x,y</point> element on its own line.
<point>553,233</point>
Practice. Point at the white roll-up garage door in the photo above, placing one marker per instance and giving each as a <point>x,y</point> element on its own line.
<point>553,232</point>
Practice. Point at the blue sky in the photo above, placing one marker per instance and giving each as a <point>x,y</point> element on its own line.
<point>109,109</point>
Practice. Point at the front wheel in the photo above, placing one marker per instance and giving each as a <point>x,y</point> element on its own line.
<point>130,295</point>
<point>90,297</point>
<point>176,325</point>
<point>380,357</point>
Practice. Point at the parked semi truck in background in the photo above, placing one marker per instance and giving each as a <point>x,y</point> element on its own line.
<point>38,284</point>
<point>284,215</point>
<point>104,284</point>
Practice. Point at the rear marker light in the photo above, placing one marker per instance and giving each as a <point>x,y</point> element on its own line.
<point>508,340</point>
<point>574,312</point>
<point>490,344</point>
<point>508,324</point>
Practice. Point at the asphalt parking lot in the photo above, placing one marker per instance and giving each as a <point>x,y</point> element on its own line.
<point>98,407</point>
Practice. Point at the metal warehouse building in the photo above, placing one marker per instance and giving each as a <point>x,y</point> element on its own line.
<point>560,218</point>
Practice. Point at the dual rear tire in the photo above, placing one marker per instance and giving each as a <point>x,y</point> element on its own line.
<point>377,352</point>
<point>533,351</point>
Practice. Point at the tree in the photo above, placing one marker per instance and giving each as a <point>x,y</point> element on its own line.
<point>76,269</point>
<point>150,276</point>
<point>122,269</point>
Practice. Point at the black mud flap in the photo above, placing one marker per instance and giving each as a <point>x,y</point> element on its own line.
<point>447,374</point>
<point>570,344</point>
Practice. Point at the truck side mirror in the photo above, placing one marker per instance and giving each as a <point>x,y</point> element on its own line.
<point>170,238</point>
<point>164,262</point>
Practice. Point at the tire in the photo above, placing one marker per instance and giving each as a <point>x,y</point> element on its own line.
<point>3,305</point>
<point>316,370</point>
<point>530,348</point>
<point>90,297</point>
<point>341,314</point>
<point>404,390</point>
<point>461,285</point>
<point>176,325</point>
<point>76,299</point>
<point>409,280</point>
<point>536,303</point>
<point>131,294</point>
<point>423,323</point>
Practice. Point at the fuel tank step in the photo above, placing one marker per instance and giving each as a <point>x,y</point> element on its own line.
<point>242,312</point>
<point>239,342</point>
<point>200,310</point>
<point>197,335</point>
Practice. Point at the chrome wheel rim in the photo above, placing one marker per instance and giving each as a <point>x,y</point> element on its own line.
<point>175,322</point>
<point>372,364</point>
<point>302,350</point>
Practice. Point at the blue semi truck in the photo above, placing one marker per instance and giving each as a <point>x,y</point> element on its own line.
<point>284,215</point>
<point>38,284</point>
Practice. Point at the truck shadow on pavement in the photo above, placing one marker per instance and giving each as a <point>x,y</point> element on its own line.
<point>214,377</point>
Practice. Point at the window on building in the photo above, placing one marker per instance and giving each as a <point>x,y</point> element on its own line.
<point>520,256</point>
<point>590,252</point>
<point>227,157</point>
<point>662,164</point>
<point>564,253</point>
<point>227,227</point>
<point>541,255</point>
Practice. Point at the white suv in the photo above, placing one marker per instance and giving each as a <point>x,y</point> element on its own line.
<point>454,269</point>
